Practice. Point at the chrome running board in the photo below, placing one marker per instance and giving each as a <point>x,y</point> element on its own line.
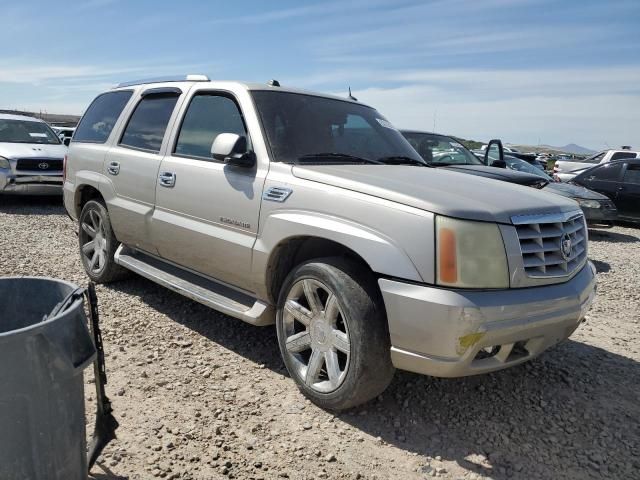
<point>203,290</point>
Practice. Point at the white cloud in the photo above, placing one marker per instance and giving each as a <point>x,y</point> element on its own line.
<point>589,120</point>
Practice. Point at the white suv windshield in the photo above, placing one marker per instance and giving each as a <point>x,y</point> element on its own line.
<point>324,130</point>
<point>24,131</point>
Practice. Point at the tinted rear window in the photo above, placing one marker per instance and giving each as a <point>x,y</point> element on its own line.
<point>148,122</point>
<point>101,116</point>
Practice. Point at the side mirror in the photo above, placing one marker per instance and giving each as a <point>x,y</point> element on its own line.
<point>232,149</point>
<point>494,153</point>
<point>66,141</point>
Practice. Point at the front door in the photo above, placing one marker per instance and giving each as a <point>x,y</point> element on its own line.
<point>207,219</point>
<point>604,179</point>
<point>132,165</point>
<point>629,192</point>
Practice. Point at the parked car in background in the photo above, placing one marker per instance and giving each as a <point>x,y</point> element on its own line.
<point>597,208</point>
<point>618,180</point>
<point>64,133</point>
<point>31,156</point>
<point>310,211</point>
<point>567,170</point>
<point>445,152</point>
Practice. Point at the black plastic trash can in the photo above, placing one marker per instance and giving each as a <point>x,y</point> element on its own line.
<point>42,414</point>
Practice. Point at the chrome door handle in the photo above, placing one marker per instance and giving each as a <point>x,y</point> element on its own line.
<point>113,168</point>
<point>167,179</point>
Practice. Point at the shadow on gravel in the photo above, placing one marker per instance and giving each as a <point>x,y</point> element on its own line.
<point>31,205</point>
<point>574,410</point>
<point>609,236</point>
<point>107,475</point>
<point>258,344</point>
<point>601,267</point>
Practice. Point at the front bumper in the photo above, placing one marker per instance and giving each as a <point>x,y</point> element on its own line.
<point>31,184</point>
<point>454,333</point>
<point>600,214</point>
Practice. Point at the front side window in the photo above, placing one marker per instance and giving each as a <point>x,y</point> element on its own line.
<point>621,155</point>
<point>26,131</point>
<point>207,116</point>
<point>101,116</point>
<point>441,150</point>
<point>148,122</point>
<point>632,175</point>
<point>303,127</point>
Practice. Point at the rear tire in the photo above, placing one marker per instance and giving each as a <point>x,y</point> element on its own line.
<point>333,333</point>
<point>98,244</point>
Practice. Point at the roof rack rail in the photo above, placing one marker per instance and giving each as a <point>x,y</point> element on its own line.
<point>180,78</point>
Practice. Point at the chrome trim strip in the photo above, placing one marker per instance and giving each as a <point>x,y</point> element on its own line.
<point>545,217</point>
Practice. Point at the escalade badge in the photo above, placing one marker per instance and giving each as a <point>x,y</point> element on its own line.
<point>43,166</point>
<point>566,246</point>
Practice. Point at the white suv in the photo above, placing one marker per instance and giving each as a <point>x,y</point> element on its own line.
<point>31,156</point>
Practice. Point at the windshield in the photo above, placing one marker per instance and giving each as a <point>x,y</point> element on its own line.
<point>520,165</point>
<point>322,130</point>
<point>24,131</point>
<point>596,158</point>
<point>441,150</point>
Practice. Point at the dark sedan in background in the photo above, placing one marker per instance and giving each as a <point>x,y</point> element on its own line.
<point>446,152</point>
<point>618,180</point>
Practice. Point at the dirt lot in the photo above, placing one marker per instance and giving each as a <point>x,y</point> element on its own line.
<point>200,395</point>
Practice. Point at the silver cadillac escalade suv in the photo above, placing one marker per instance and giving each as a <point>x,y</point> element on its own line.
<point>276,205</point>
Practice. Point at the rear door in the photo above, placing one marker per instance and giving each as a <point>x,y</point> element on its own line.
<point>629,192</point>
<point>604,179</point>
<point>132,166</point>
<point>206,219</point>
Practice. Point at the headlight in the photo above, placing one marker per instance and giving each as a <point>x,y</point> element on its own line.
<point>470,254</point>
<point>4,163</point>
<point>588,203</point>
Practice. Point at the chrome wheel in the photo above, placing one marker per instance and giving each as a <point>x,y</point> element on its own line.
<point>316,335</point>
<point>93,242</point>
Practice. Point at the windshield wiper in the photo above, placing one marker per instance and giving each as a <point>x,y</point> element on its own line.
<point>338,156</point>
<point>402,160</point>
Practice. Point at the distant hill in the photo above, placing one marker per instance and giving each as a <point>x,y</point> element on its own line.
<point>577,149</point>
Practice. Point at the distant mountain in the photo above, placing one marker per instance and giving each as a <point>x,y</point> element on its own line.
<point>577,149</point>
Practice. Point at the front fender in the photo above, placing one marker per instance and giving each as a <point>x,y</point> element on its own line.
<point>380,252</point>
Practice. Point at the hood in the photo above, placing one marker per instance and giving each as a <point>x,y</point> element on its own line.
<point>439,191</point>
<point>504,174</point>
<point>29,150</point>
<point>574,191</point>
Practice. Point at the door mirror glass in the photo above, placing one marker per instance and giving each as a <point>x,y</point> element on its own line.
<point>231,148</point>
<point>494,154</point>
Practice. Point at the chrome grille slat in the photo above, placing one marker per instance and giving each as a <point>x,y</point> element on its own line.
<point>541,237</point>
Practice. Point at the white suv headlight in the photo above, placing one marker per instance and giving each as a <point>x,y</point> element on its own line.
<point>4,163</point>
<point>470,254</point>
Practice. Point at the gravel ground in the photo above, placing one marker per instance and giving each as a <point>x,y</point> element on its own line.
<point>200,395</point>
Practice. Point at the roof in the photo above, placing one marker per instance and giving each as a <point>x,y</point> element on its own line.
<point>10,116</point>
<point>254,86</point>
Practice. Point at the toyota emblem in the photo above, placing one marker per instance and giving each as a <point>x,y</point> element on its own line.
<point>43,166</point>
<point>566,246</point>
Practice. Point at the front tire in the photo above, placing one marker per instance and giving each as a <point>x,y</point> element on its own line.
<point>333,333</point>
<point>98,244</point>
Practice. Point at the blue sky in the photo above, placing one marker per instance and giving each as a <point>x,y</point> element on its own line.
<point>526,71</point>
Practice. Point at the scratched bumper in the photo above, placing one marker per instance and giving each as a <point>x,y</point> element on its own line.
<point>30,184</point>
<point>454,333</point>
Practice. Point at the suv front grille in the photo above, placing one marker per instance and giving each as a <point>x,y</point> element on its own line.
<point>552,245</point>
<point>39,164</point>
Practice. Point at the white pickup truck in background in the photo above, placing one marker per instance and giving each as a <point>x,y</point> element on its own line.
<point>566,171</point>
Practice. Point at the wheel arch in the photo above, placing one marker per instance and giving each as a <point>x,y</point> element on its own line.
<point>289,239</point>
